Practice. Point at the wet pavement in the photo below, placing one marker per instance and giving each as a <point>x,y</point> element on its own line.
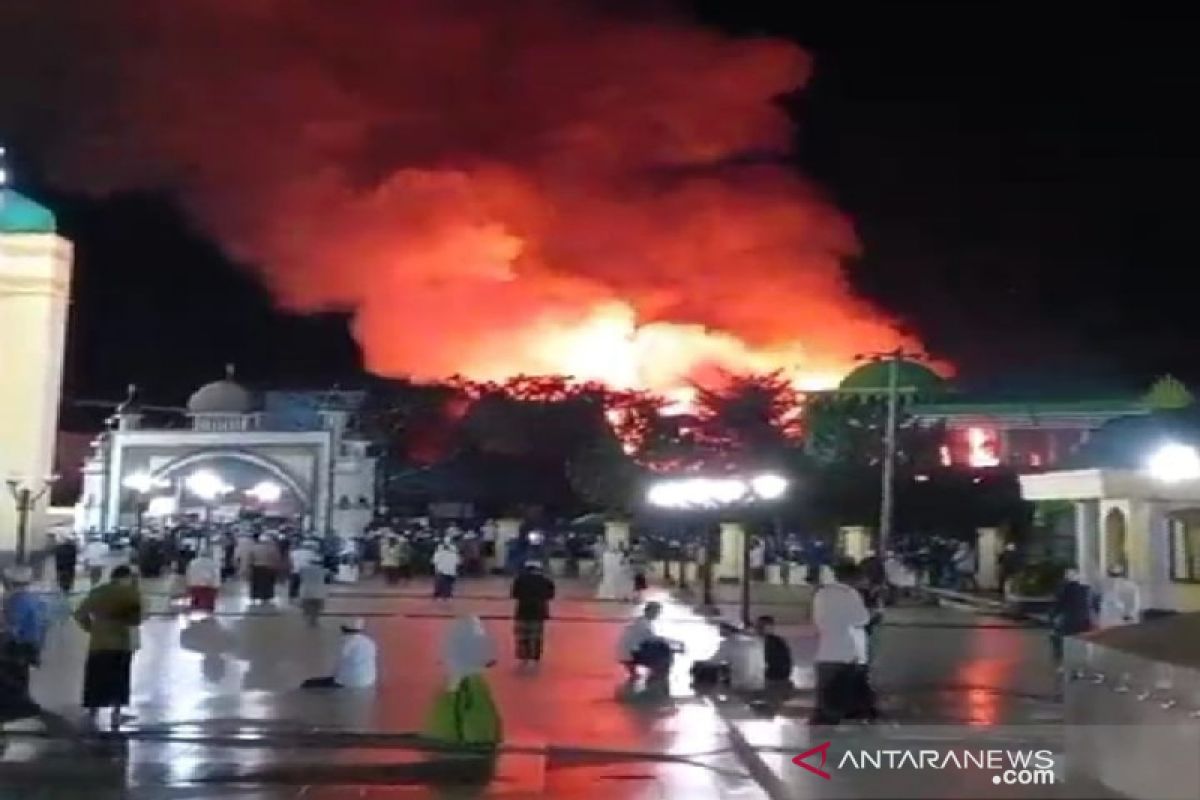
<point>219,714</point>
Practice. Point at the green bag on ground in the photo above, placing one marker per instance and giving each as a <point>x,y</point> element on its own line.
<point>465,715</point>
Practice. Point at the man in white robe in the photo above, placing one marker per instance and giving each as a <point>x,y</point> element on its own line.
<point>1120,600</point>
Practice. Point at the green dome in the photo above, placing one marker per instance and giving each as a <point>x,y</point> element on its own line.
<point>19,214</point>
<point>911,377</point>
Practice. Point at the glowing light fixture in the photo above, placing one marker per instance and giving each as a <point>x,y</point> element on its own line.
<point>1174,462</point>
<point>713,493</point>
<point>143,482</point>
<point>769,486</point>
<point>207,485</point>
<point>266,492</point>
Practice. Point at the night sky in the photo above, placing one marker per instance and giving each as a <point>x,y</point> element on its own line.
<point>1024,182</point>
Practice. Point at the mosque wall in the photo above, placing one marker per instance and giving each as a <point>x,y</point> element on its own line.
<point>35,280</point>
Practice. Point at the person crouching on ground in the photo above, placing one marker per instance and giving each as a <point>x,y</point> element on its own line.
<point>776,654</point>
<point>110,614</point>
<point>641,646</point>
<point>533,592</point>
<point>356,664</point>
<point>840,616</point>
<point>464,713</point>
<point>737,663</point>
<point>203,578</point>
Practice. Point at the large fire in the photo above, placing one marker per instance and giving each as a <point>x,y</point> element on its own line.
<point>599,189</point>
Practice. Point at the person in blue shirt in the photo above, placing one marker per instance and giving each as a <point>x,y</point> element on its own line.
<point>22,630</point>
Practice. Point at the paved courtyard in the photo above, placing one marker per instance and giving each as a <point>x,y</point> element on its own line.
<point>218,711</point>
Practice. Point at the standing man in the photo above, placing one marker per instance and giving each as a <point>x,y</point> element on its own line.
<point>265,561</point>
<point>533,592</point>
<point>1008,566</point>
<point>95,558</point>
<point>840,616</point>
<point>1072,612</point>
<point>202,577</point>
<point>300,557</point>
<point>389,558</point>
<point>445,570</point>
<point>111,615</point>
<point>66,560</point>
<point>1120,600</point>
<point>964,567</point>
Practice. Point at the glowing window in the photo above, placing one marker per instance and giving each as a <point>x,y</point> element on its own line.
<point>981,444</point>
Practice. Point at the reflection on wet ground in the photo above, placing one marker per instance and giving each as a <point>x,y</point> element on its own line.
<point>219,714</point>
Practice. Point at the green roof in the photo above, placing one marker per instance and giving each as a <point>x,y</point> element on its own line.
<point>19,214</point>
<point>910,377</point>
<point>1033,407</point>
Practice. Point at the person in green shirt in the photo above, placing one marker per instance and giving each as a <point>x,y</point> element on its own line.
<point>111,615</point>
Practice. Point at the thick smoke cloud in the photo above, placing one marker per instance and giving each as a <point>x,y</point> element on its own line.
<point>490,187</point>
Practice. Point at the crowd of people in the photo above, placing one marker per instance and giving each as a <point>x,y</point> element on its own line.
<point>847,607</point>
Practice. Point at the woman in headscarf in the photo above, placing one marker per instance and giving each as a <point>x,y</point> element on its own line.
<point>464,713</point>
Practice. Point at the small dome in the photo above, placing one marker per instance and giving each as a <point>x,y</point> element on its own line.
<point>1168,394</point>
<point>911,377</point>
<point>223,397</point>
<point>19,214</point>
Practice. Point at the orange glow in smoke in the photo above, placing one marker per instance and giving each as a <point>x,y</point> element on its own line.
<point>552,187</point>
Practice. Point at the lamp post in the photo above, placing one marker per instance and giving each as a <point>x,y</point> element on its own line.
<point>887,500</point>
<point>712,498</point>
<point>26,499</point>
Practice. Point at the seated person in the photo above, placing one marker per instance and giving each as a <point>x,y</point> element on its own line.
<point>738,661</point>
<point>776,653</point>
<point>641,646</point>
<point>356,661</point>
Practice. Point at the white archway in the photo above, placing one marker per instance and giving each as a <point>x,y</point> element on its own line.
<point>268,465</point>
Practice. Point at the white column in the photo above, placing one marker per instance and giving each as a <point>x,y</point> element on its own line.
<point>616,533</point>
<point>1087,539</point>
<point>35,282</point>
<point>855,541</point>
<point>987,551</point>
<point>730,566</point>
<point>507,530</point>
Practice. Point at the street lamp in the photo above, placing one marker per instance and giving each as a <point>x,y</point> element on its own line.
<point>1174,462</point>
<point>711,496</point>
<point>26,498</point>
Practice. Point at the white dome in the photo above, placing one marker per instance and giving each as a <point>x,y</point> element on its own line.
<point>222,397</point>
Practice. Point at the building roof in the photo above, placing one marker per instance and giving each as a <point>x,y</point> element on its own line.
<point>965,407</point>
<point>911,377</point>
<point>223,397</point>
<point>19,214</point>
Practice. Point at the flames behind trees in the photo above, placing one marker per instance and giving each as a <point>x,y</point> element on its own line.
<point>529,187</point>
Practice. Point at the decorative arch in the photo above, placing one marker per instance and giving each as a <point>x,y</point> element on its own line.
<point>1115,534</point>
<point>245,456</point>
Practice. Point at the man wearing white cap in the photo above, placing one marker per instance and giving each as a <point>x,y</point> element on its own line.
<point>356,664</point>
